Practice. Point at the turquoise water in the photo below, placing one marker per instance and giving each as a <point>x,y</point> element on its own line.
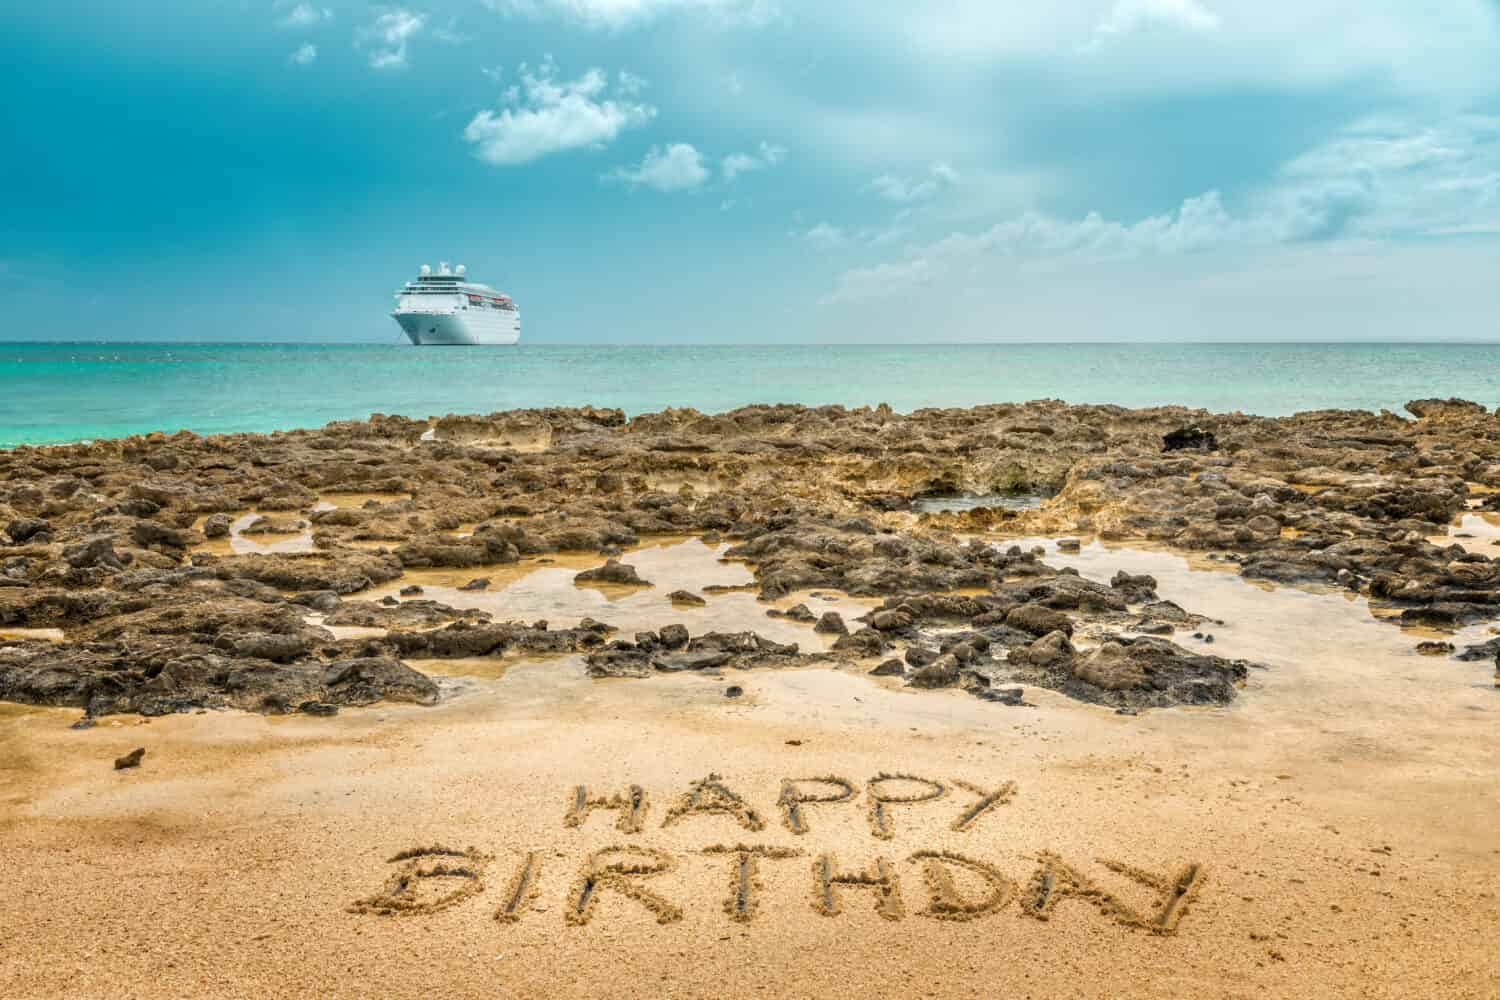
<point>69,392</point>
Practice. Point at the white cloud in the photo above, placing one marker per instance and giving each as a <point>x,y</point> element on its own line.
<point>866,284</point>
<point>826,236</point>
<point>303,15</point>
<point>305,54</point>
<point>1443,47</point>
<point>1390,178</point>
<point>449,34</point>
<point>678,167</point>
<point>903,190</point>
<point>738,163</point>
<point>1129,16</point>
<point>619,14</point>
<point>1484,187</point>
<point>388,36</point>
<point>1377,180</point>
<point>1199,224</point>
<point>553,116</point>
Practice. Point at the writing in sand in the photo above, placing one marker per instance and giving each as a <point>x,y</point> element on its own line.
<point>955,885</point>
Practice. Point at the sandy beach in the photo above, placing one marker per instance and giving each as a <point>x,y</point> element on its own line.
<point>1152,745</point>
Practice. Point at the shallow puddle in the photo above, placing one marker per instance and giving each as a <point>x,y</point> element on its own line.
<point>238,543</point>
<point>1326,649</point>
<point>533,589</point>
<point>32,634</point>
<point>1474,532</point>
<point>959,503</point>
<point>355,501</point>
<point>345,631</point>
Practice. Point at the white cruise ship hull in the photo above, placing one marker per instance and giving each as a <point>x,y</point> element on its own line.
<point>471,327</point>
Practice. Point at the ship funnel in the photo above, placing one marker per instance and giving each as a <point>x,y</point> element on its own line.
<point>461,270</point>
<point>426,270</point>
<point>443,267</point>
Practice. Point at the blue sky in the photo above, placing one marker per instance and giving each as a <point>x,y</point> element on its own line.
<point>725,171</point>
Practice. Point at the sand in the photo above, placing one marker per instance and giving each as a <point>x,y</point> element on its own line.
<point>1341,816</point>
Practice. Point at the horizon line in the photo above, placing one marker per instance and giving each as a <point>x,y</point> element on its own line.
<point>1476,342</point>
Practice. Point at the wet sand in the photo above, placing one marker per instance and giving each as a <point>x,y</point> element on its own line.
<point>1342,812</point>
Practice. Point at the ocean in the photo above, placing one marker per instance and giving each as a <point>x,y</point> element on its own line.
<point>52,393</point>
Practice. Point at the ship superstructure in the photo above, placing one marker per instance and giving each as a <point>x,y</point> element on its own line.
<point>447,308</point>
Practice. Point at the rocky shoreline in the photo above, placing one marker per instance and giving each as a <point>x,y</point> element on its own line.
<point>189,572</point>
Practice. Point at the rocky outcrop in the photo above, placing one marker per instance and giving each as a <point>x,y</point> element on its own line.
<point>106,680</point>
<point>714,650</point>
<point>105,540</point>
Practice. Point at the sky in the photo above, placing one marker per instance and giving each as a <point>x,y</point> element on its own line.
<point>756,171</point>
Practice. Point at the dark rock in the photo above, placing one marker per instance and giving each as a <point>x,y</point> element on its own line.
<point>97,550</point>
<point>890,620</point>
<point>920,656</point>
<point>139,507</point>
<point>1488,650</point>
<point>152,533</point>
<point>1136,589</point>
<point>24,529</point>
<point>478,583</point>
<point>1424,409</point>
<point>733,691</point>
<point>865,642</point>
<point>889,668</point>
<point>831,623</point>
<point>1192,438</point>
<point>686,597</point>
<point>366,680</point>
<point>674,636</point>
<point>320,708</point>
<point>1051,650</point>
<point>217,525</point>
<point>317,600</point>
<point>1003,696</point>
<point>942,672</point>
<point>277,648</point>
<point>254,591</point>
<point>132,759</point>
<point>1038,620</point>
<point>613,571</point>
<point>1167,611</point>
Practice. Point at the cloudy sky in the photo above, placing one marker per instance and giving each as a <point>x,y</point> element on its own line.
<point>727,171</point>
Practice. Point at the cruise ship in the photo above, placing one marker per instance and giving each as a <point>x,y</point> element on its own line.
<point>447,308</point>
